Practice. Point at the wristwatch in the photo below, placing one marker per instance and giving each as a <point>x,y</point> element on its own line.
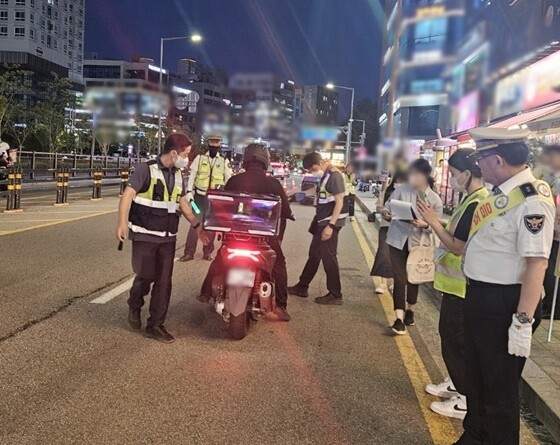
<point>332,226</point>
<point>523,318</point>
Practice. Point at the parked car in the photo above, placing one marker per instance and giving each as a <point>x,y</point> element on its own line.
<point>279,170</point>
<point>309,182</point>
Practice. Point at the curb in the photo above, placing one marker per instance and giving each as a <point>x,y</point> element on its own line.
<point>539,392</point>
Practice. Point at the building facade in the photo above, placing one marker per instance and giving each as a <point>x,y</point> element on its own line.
<point>316,105</point>
<point>44,36</point>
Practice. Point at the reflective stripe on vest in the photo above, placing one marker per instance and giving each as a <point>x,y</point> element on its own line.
<point>211,172</point>
<point>140,223</point>
<point>449,277</point>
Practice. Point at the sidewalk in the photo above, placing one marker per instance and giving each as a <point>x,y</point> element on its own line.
<point>540,384</point>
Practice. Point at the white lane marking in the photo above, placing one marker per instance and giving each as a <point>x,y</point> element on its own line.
<point>115,292</point>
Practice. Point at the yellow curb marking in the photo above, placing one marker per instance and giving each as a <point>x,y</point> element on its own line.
<point>441,429</point>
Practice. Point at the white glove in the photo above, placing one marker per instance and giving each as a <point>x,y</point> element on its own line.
<point>520,335</point>
<point>189,196</point>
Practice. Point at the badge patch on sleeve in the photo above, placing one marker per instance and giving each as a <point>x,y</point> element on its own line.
<point>534,223</point>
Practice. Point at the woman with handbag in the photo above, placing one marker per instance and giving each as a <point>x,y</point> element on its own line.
<point>407,237</point>
<point>466,178</point>
<point>382,264</point>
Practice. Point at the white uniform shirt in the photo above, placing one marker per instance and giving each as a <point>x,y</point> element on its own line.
<point>496,254</point>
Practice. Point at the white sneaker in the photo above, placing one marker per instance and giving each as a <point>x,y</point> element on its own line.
<point>445,389</point>
<point>381,290</point>
<point>456,407</point>
<point>391,288</point>
<point>352,219</point>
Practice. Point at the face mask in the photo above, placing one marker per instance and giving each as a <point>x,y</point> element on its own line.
<point>212,151</point>
<point>318,174</point>
<point>181,162</point>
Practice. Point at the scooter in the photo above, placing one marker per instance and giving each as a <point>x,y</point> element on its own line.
<point>244,290</point>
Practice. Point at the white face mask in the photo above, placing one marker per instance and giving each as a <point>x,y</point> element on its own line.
<point>181,162</point>
<point>454,183</point>
<point>318,174</point>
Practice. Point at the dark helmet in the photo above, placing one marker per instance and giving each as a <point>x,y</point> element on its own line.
<point>256,153</point>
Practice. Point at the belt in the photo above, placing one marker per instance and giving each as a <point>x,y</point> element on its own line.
<point>475,283</point>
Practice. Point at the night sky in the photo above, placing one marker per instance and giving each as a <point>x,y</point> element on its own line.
<point>311,41</point>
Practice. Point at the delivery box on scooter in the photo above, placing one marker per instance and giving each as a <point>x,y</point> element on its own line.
<point>242,213</point>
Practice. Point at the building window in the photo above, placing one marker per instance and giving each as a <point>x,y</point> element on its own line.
<point>55,44</point>
<point>20,2</point>
<point>32,18</point>
<point>32,33</point>
<point>19,31</point>
<point>4,15</point>
<point>20,16</point>
<point>32,3</point>
<point>3,2</point>
<point>56,15</point>
<point>42,38</point>
<point>3,31</point>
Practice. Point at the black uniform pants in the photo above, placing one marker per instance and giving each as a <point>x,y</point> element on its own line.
<point>492,374</point>
<point>403,291</point>
<point>153,264</point>
<point>323,251</point>
<point>550,281</point>
<point>192,236</point>
<point>452,335</point>
<point>279,274</point>
<point>351,205</point>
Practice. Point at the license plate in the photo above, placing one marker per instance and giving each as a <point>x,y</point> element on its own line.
<point>241,277</point>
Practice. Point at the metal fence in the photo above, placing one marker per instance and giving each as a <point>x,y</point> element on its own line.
<point>43,166</point>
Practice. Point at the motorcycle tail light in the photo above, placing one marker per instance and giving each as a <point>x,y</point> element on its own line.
<point>243,253</point>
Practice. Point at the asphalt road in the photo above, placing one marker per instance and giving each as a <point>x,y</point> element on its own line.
<point>72,372</point>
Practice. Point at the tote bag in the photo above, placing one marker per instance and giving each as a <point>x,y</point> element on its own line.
<point>420,265</point>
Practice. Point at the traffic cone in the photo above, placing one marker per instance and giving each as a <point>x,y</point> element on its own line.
<point>293,184</point>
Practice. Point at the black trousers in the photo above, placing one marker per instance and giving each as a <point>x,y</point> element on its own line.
<point>452,335</point>
<point>279,274</point>
<point>192,236</point>
<point>403,291</point>
<point>550,281</point>
<point>351,205</point>
<point>153,264</point>
<point>492,374</point>
<point>325,252</point>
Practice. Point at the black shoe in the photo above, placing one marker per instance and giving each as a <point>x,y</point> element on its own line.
<point>398,327</point>
<point>160,334</point>
<point>298,291</point>
<point>282,313</point>
<point>134,320</point>
<point>204,298</point>
<point>329,299</point>
<point>207,257</point>
<point>186,258</point>
<point>409,317</point>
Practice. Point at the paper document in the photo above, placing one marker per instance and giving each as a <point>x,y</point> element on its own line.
<point>402,210</point>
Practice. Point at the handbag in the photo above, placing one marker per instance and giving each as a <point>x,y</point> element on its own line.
<point>420,265</point>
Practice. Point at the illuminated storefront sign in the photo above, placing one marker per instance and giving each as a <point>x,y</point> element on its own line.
<point>430,11</point>
<point>467,112</point>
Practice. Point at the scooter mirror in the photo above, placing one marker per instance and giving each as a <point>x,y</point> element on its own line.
<point>299,197</point>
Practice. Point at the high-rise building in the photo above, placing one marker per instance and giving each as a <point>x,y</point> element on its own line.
<point>43,36</point>
<point>316,105</point>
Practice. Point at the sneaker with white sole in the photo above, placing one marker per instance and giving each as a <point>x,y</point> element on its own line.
<point>456,407</point>
<point>445,389</point>
<point>381,290</point>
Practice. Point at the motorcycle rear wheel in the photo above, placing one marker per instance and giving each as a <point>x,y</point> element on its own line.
<point>239,326</point>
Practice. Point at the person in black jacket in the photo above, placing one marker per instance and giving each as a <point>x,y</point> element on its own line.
<point>256,160</point>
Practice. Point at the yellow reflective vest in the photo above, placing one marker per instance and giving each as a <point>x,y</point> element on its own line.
<point>211,173</point>
<point>449,277</point>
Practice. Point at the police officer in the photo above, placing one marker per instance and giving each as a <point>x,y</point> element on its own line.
<point>505,260</point>
<point>350,182</point>
<point>208,170</point>
<point>331,214</point>
<point>148,216</point>
<point>256,160</point>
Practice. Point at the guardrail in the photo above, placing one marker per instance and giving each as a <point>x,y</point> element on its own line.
<point>43,166</point>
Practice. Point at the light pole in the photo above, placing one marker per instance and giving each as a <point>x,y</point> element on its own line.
<point>194,38</point>
<point>332,86</point>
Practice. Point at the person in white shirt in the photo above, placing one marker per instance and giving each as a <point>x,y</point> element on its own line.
<point>505,260</point>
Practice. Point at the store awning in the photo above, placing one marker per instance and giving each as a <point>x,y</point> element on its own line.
<point>548,124</point>
<point>528,117</point>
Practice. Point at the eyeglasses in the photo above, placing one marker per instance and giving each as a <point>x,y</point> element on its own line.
<point>479,156</point>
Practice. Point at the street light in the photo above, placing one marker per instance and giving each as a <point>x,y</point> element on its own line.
<point>332,86</point>
<point>194,38</point>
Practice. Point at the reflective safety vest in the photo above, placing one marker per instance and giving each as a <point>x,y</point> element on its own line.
<point>349,182</point>
<point>325,201</point>
<point>210,174</point>
<point>154,211</point>
<point>449,277</point>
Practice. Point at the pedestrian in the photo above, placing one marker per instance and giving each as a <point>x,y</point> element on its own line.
<point>350,182</point>
<point>331,213</point>
<point>382,263</point>
<point>550,158</point>
<point>438,176</point>
<point>209,170</point>
<point>148,216</point>
<point>256,160</point>
<point>505,261</point>
<point>403,235</point>
<point>466,179</point>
